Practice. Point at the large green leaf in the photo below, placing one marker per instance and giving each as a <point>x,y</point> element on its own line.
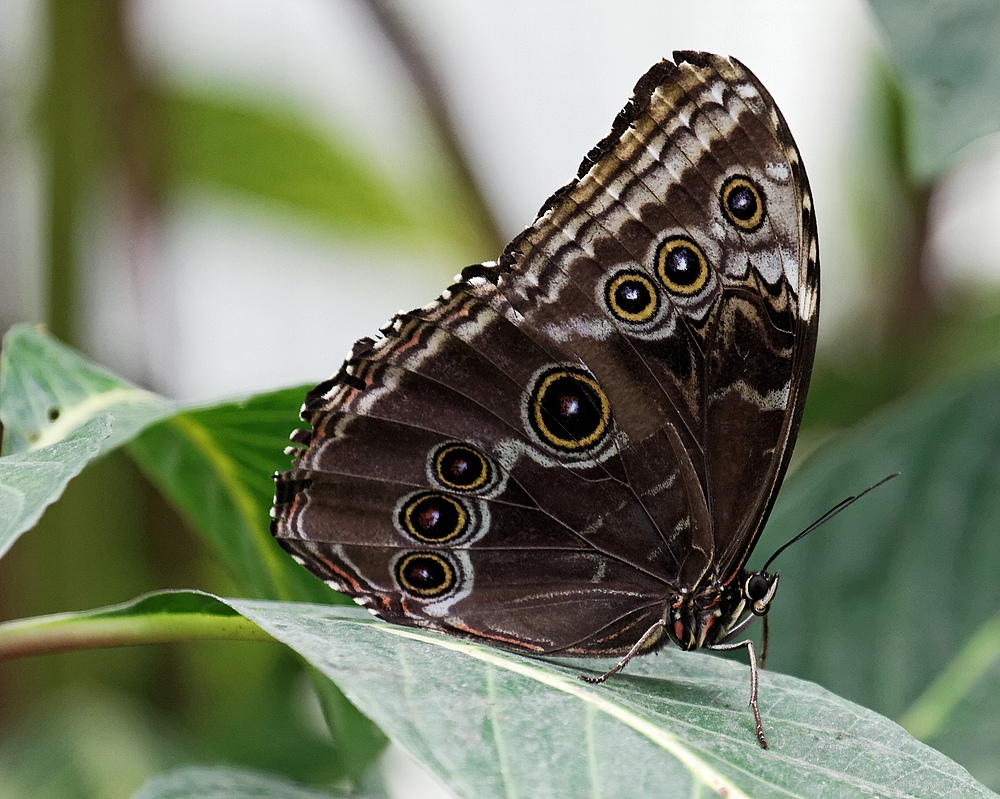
<point>948,58</point>
<point>496,724</point>
<point>491,723</point>
<point>215,464</point>
<point>901,590</point>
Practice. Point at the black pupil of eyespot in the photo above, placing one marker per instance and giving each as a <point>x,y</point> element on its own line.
<point>461,467</point>
<point>435,518</point>
<point>742,202</point>
<point>682,265</point>
<point>571,409</point>
<point>633,296</point>
<point>425,573</point>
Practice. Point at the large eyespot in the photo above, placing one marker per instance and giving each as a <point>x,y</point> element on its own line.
<point>742,203</point>
<point>631,297</point>
<point>434,518</point>
<point>568,409</point>
<point>461,468</point>
<point>425,574</point>
<point>682,266</point>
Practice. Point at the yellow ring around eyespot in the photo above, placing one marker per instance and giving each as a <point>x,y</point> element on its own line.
<point>449,575</point>
<point>463,518</point>
<point>568,443</point>
<point>646,313</point>
<point>737,182</point>
<point>669,246</point>
<point>439,471</point>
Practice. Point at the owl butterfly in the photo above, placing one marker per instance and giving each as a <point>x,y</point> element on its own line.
<point>573,450</point>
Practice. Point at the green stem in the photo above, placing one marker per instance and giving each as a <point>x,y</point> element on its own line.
<point>69,633</point>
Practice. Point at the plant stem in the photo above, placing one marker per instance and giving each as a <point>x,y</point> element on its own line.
<point>65,633</point>
<point>428,86</point>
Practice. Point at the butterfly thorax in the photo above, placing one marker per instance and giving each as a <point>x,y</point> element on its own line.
<point>715,612</point>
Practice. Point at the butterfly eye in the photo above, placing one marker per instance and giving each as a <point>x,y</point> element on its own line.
<point>425,574</point>
<point>434,518</point>
<point>632,297</point>
<point>462,468</point>
<point>759,589</point>
<point>682,266</point>
<point>568,410</point>
<point>743,203</point>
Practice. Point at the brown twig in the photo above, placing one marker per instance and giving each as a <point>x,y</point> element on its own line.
<point>413,58</point>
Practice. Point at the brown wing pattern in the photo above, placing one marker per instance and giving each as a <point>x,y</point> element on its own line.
<point>546,455</point>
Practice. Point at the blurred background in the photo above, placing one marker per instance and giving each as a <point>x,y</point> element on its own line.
<point>217,197</point>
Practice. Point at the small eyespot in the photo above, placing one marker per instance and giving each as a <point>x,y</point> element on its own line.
<point>53,413</point>
<point>632,297</point>
<point>682,266</point>
<point>742,203</point>
<point>568,409</point>
<point>425,574</point>
<point>433,518</point>
<point>461,468</point>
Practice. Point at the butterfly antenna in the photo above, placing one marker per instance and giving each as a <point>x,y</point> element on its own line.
<point>844,503</point>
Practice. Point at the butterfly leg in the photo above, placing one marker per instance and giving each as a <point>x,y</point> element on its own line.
<point>635,650</point>
<point>753,684</point>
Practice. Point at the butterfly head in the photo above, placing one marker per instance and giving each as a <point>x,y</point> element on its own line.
<point>758,590</point>
<point>712,615</point>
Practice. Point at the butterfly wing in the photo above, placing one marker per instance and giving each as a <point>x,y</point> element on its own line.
<point>566,439</point>
<point>698,190</point>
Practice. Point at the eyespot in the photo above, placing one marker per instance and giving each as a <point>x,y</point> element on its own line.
<point>461,468</point>
<point>425,574</point>
<point>568,409</point>
<point>433,518</point>
<point>742,203</point>
<point>631,297</point>
<point>682,266</point>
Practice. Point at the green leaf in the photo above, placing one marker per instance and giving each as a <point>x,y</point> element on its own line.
<point>59,412</point>
<point>281,159</point>
<point>227,783</point>
<point>949,61</point>
<point>47,390</point>
<point>900,592</point>
<point>186,616</point>
<point>215,464</point>
<point>491,723</point>
<point>31,481</point>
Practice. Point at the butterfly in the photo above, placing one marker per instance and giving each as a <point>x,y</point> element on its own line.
<point>574,449</point>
